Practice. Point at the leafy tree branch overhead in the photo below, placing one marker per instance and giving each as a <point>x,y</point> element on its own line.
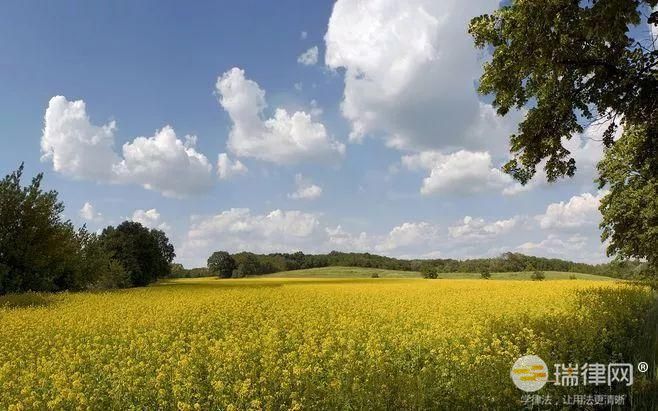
<point>570,63</point>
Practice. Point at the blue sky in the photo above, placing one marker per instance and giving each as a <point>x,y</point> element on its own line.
<point>378,142</point>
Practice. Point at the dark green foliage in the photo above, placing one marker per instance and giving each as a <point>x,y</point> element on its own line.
<point>221,264</point>
<point>485,274</point>
<point>166,252</point>
<point>538,276</point>
<point>570,64</point>
<point>39,251</point>
<point>254,264</point>
<point>178,271</point>
<point>102,271</point>
<point>630,210</point>
<point>145,254</point>
<point>374,275</point>
<point>429,272</point>
<point>247,264</point>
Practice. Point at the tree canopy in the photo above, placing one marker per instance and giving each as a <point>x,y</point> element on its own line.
<point>570,64</point>
<point>145,254</point>
<point>222,264</point>
<point>37,247</point>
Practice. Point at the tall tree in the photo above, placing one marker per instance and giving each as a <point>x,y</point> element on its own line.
<point>38,248</point>
<point>144,254</point>
<point>221,263</point>
<point>167,252</point>
<point>572,63</point>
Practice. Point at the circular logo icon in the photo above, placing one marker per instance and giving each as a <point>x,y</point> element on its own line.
<point>529,373</point>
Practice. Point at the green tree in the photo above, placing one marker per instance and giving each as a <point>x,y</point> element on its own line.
<point>630,210</point>
<point>178,271</point>
<point>144,254</point>
<point>537,276</point>
<point>247,264</point>
<point>429,271</point>
<point>100,270</point>
<point>167,252</point>
<point>39,251</point>
<point>485,274</point>
<point>572,63</point>
<point>221,264</point>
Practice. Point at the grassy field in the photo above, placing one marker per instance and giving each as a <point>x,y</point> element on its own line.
<point>358,272</point>
<point>309,343</point>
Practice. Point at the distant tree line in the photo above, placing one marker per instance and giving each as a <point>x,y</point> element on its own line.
<point>41,251</point>
<point>243,264</point>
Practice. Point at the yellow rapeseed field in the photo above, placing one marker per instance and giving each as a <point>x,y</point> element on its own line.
<point>307,344</point>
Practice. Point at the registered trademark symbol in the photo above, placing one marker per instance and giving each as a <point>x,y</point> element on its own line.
<point>642,367</point>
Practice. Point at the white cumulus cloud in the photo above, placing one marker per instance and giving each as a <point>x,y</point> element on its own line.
<point>306,190</point>
<point>238,229</point>
<point>463,172</point>
<point>89,213</point>
<point>282,139</point>
<point>150,218</point>
<point>226,168</point>
<point>478,229</point>
<point>166,164</point>
<point>81,150</point>
<point>573,247</point>
<point>75,146</point>
<point>410,73</point>
<point>341,239</point>
<point>309,57</point>
<point>407,236</point>
<point>579,211</point>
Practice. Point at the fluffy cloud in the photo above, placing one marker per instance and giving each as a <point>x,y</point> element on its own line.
<point>309,57</point>
<point>462,172</point>
<point>477,229</point>
<point>166,164</point>
<point>89,213</point>
<point>238,229</point>
<point>340,239</point>
<point>579,211</point>
<point>407,236</point>
<point>227,168</point>
<point>82,150</point>
<point>150,218</point>
<point>410,73</point>
<point>306,190</point>
<point>283,139</point>
<point>575,247</point>
<point>76,147</point>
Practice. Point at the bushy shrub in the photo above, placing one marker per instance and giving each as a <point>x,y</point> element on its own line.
<point>429,272</point>
<point>538,276</point>
<point>485,274</point>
